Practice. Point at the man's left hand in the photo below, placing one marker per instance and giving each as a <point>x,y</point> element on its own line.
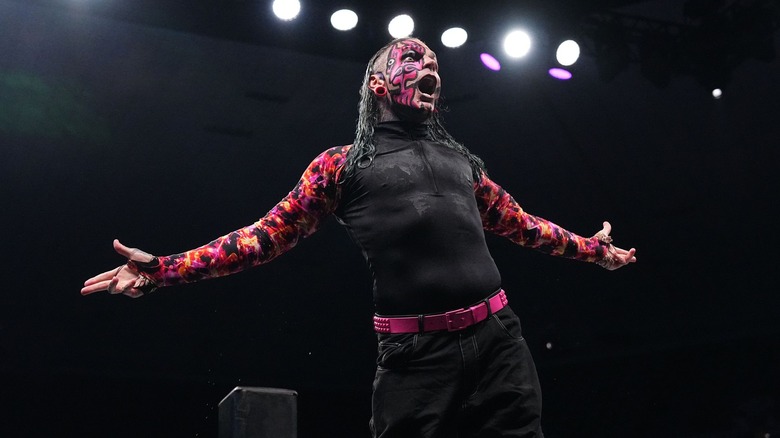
<point>615,257</point>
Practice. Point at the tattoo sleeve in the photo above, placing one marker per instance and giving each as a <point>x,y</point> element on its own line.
<point>502,215</point>
<point>296,216</point>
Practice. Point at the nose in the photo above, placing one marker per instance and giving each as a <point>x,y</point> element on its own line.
<point>431,63</point>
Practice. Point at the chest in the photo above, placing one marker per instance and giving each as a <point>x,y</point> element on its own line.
<point>418,167</point>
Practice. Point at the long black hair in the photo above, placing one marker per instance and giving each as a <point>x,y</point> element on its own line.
<point>362,153</point>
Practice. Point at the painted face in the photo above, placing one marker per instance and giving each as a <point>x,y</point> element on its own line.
<point>412,78</point>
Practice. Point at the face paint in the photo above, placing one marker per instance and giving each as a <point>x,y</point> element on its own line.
<point>412,78</point>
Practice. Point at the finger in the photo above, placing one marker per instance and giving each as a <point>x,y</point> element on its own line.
<point>97,287</point>
<point>131,289</point>
<point>623,252</point>
<point>624,256</point>
<point>112,286</point>
<point>133,254</point>
<point>123,250</point>
<point>620,251</point>
<point>607,228</point>
<point>102,277</point>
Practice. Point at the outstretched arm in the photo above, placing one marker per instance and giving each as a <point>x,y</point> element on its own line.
<point>502,215</point>
<point>298,215</point>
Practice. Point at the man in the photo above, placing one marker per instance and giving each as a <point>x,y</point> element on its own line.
<point>451,360</point>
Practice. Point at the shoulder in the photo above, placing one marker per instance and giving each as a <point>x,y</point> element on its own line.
<point>333,157</point>
<point>330,162</point>
<point>338,152</point>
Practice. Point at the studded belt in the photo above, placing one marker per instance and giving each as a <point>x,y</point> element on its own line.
<point>450,321</point>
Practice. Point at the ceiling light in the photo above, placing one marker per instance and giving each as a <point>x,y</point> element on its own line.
<point>559,73</point>
<point>568,52</point>
<point>344,19</point>
<point>490,62</point>
<point>286,9</point>
<point>454,37</point>
<point>517,44</point>
<point>401,26</point>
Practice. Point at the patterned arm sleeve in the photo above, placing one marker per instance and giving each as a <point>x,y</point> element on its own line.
<point>502,215</point>
<point>298,215</point>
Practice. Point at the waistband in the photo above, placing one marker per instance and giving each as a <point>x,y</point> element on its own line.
<point>451,321</point>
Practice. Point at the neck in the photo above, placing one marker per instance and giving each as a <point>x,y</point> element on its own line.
<point>386,115</point>
<point>402,114</point>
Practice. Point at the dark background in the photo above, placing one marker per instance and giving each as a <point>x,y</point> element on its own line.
<point>167,124</point>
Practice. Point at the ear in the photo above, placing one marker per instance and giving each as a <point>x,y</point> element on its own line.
<point>376,81</point>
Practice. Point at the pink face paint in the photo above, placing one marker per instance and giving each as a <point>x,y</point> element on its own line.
<point>412,78</point>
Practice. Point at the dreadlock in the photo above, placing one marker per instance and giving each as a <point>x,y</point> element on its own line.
<point>362,153</point>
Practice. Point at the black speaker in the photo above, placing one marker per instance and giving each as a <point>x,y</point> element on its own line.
<point>248,412</point>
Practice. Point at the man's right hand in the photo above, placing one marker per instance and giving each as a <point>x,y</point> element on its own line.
<point>122,279</point>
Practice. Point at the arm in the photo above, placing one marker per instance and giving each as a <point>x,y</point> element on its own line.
<point>502,215</point>
<point>298,215</point>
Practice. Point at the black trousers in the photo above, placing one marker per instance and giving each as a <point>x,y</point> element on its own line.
<point>477,382</point>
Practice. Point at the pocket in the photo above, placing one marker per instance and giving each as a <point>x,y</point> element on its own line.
<point>395,350</point>
<point>508,323</point>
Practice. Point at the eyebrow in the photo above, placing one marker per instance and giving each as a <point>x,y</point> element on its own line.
<point>417,47</point>
<point>420,46</point>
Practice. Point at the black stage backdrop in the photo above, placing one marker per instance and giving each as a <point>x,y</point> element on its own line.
<point>167,140</point>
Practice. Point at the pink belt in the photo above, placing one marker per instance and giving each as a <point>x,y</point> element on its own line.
<point>450,321</point>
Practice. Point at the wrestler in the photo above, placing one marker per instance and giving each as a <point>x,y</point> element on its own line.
<point>452,360</point>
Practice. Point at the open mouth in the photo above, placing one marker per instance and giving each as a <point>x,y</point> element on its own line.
<point>427,85</point>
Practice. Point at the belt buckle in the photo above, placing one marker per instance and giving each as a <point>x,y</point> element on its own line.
<point>459,319</point>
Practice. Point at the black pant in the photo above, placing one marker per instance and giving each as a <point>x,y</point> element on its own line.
<point>477,382</point>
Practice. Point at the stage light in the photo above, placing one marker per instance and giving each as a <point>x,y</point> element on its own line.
<point>344,19</point>
<point>401,26</point>
<point>559,73</point>
<point>717,93</point>
<point>454,37</point>
<point>517,44</point>
<point>286,9</point>
<point>568,53</point>
<point>490,62</point>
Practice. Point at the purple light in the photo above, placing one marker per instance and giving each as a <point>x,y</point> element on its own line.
<point>559,73</point>
<point>490,62</point>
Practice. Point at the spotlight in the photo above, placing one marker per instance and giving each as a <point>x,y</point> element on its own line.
<point>454,37</point>
<point>517,44</point>
<point>559,73</point>
<point>490,62</point>
<point>286,9</point>
<point>568,53</point>
<point>344,19</point>
<point>401,26</point>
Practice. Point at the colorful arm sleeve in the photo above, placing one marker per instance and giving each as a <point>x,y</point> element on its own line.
<point>298,215</point>
<point>502,215</point>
